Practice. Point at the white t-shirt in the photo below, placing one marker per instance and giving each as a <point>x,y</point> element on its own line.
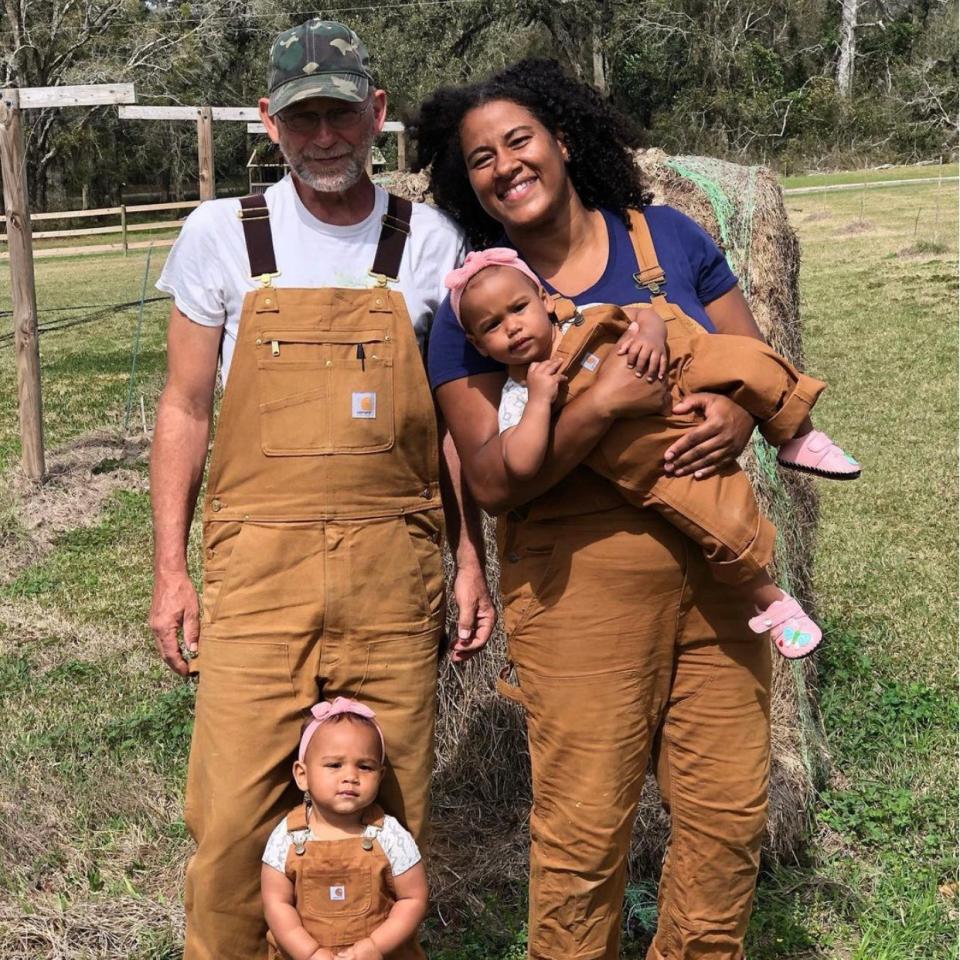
<point>208,271</point>
<point>398,845</point>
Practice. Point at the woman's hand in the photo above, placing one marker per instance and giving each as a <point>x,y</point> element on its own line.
<point>619,392</point>
<point>725,431</point>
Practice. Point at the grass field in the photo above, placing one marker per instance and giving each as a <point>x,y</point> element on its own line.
<point>916,172</point>
<point>95,732</point>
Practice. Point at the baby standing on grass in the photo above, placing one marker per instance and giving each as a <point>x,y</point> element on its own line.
<point>340,879</point>
<point>507,315</point>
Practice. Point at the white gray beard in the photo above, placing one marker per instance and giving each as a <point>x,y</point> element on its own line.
<point>339,182</point>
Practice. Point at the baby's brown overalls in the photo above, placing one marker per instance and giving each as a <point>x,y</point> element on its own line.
<point>344,889</point>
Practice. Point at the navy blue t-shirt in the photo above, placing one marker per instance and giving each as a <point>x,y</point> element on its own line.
<point>696,271</point>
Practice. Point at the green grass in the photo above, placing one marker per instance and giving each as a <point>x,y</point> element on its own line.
<point>85,368</point>
<point>95,731</point>
<point>915,172</point>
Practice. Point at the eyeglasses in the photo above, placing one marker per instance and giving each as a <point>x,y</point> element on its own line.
<point>309,121</point>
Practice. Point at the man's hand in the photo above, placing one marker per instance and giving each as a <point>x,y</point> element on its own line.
<point>543,381</point>
<point>477,615</point>
<point>175,607</point>
<point>364,949</point>
<point>725,431</point>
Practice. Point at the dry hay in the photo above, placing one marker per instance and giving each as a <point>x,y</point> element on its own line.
<point>482,786</point>
<point>59,928</point>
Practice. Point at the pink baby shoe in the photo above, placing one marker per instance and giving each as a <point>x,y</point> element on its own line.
<point>816,453</point>
<point>793,633</point>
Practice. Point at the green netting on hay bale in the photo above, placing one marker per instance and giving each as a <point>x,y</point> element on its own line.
<point>482,788</point>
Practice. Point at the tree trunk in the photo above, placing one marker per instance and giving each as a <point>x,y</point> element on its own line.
<point>599,71</point>
<point>598,37</point>
<point>848,48</point>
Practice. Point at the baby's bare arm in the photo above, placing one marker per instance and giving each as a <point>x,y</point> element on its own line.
<point>524,446</point>
<point>284,921</point>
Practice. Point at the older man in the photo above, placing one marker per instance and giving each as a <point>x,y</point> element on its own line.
<point>322,515</point>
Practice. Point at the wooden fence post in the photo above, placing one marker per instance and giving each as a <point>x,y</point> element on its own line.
<point>402,150</point>
<point>22,285</point>
<point>123,227</point>
<point>208,188</point>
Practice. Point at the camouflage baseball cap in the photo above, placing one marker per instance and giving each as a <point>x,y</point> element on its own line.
<point>320,58</point>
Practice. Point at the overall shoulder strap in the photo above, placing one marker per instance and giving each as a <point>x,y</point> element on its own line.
<point>393,238</point>
<point>255,217</point>
<point>373,816</point>
<point>651,275</point>
<point>297,818</point>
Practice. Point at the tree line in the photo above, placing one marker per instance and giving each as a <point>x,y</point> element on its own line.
<point>792,83</point>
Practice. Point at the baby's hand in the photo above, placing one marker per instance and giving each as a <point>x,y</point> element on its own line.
<point>322,953</point>
<point>364,949</point>
<point>544,379</point>
<point>645,344</point>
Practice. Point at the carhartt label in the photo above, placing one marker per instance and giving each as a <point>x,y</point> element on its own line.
<point>590,362</point>
<point>364,406</point>
<point>338,893</point>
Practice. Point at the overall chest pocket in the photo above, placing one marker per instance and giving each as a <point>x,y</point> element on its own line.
<point>325,392</point>
<point>329,893</point>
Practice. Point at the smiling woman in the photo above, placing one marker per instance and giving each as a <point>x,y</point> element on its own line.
<point>624,646</point>
<point>591,151</point>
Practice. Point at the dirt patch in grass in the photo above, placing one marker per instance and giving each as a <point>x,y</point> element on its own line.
<point>925,249</point>
<point>80,477</point>
<point>53,638</point>
<point>856,228</point>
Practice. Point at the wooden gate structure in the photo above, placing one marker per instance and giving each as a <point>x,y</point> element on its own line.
<point>20,242</point>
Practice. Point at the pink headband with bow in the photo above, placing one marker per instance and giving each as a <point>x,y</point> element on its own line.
<point>457,280</point>
<point>323,711</point>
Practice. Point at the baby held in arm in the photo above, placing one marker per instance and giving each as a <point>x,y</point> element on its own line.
<point>508,316</point>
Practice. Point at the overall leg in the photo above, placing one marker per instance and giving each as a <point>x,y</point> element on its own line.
<point>764,383</point>
<point>712,760</point>
<point>257,666</point>
<point>719,513</point>
<point>590,609</point>
<point>381,643</point>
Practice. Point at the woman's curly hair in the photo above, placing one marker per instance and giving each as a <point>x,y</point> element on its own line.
<point>599,140</point>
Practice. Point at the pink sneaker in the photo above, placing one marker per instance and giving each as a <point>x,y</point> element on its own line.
<point>793,633</point>
<point>816,453</point>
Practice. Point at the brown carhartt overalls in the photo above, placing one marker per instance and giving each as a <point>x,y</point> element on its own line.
<point>626,648</point>
<point>343,889</point>
<point>719,512</point>
<point>322,569</point>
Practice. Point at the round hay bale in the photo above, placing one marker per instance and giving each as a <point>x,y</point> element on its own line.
<point>482,783</point>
